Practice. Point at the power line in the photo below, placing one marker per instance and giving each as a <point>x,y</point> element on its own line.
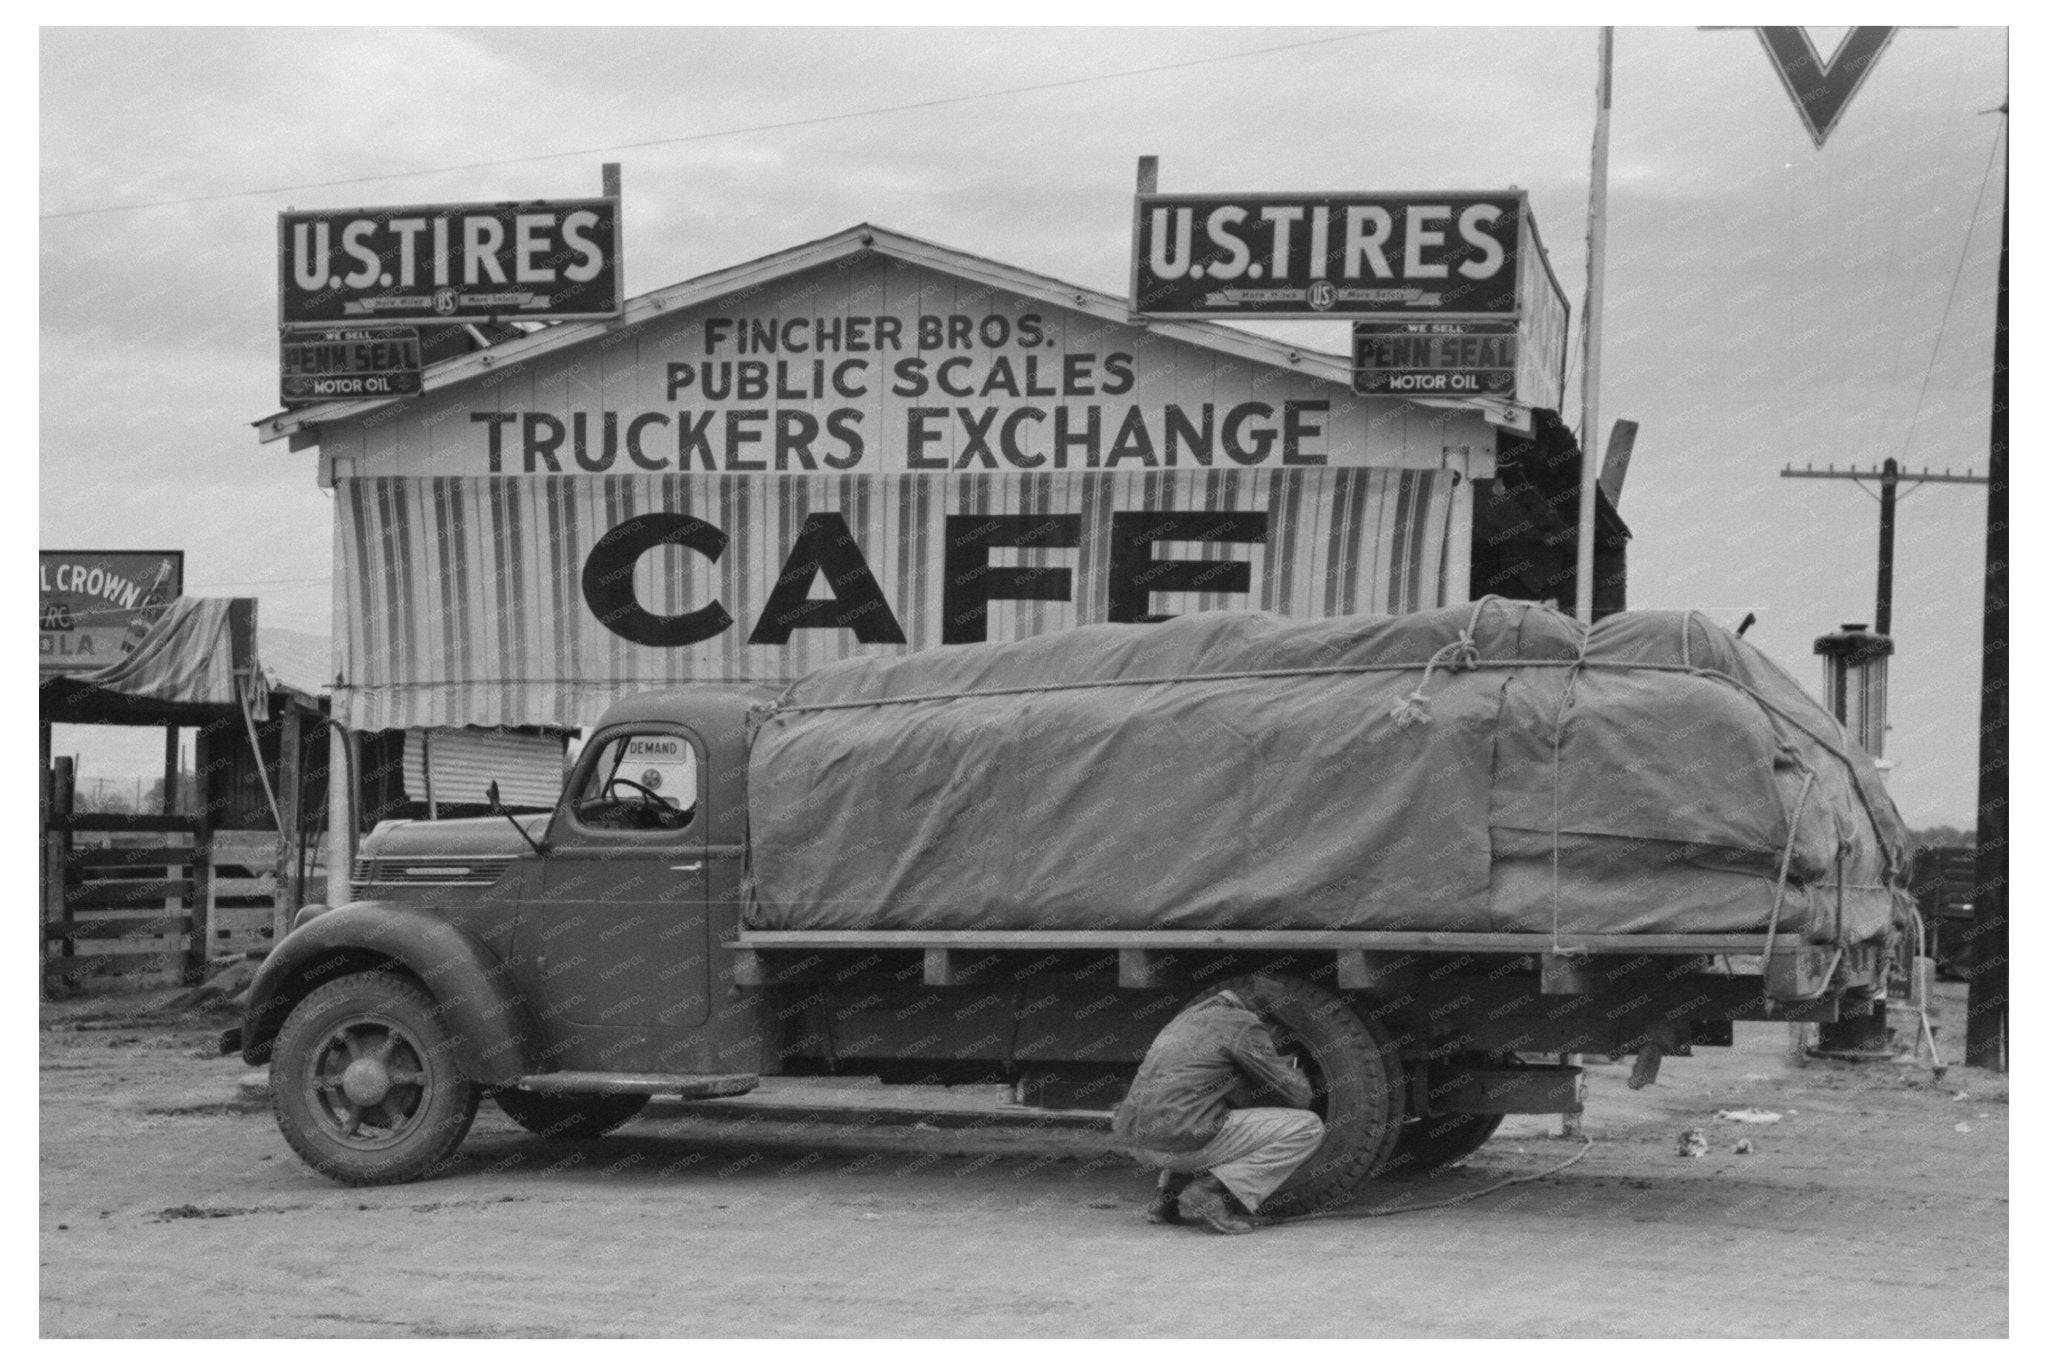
<point>260,582</point>
<point>1990,164</point>
<point>723,132</point>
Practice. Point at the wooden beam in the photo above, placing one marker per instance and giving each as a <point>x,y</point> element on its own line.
<point>170,770</point>
<point>938,967</point>
<point>1137,969</point>
<point>1360,970</point>
<point>289,893</point>
<point>1230,940</point>
<point>1798,973</point>
<point>63,800</point>
<point>109,892</point>
<point>749,969</point>
<point>114,822</point>
<point>138,927</point>
<point>155,855</point>
<point>199,947</point>
<point>1614,469</point>
<point>1566,974</point>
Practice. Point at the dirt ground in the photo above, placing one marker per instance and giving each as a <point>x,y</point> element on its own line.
<point>1876,1205</point>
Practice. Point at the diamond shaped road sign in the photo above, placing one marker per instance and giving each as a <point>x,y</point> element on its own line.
<point>1821,90</point>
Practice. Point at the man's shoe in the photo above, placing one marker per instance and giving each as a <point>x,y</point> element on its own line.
<point>1166,1202</point>
<point>1208,1203</point>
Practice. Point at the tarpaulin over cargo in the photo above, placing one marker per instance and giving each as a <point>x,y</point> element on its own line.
<point>1483,768</point>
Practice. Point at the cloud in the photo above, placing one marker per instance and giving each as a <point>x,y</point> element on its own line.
<point>1768,303</point>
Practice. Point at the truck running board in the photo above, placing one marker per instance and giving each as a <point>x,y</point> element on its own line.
<point>636,1083</point>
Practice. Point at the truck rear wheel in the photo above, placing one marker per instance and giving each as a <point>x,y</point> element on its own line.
<point>364,1082</point>
<point>1430,1144</point>
<point>1356,1074</point>
<point>568,1118</point>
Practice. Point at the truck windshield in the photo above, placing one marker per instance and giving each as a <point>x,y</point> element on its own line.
<point>645,781</point>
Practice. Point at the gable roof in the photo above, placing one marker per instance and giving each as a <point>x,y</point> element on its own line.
<point>300,424</point>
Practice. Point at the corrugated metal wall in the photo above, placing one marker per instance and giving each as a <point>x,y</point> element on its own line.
<point>462,598</point>
<point>464,763</point>
<point>894,394</point>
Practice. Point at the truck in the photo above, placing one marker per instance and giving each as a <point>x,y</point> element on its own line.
<point>1448,855</point>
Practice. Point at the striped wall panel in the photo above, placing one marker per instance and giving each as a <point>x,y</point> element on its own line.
<point>463,604</point>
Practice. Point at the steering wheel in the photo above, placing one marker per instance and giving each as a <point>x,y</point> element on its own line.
<point>646,793</point>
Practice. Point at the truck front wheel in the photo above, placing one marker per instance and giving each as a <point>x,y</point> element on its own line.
<point>1356,1074</point>
<point>364,1082</point>
<point>569,1118</point>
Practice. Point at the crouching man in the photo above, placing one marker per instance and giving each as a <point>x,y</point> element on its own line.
<point>1186,1116</point>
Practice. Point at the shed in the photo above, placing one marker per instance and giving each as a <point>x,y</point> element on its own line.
<point>161,891</point>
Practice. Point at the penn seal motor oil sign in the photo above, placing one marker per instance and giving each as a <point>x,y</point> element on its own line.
<point>1460,358</point>
<point>337,363</point>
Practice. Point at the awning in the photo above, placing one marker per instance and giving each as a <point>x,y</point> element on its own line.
<point>197,662</point>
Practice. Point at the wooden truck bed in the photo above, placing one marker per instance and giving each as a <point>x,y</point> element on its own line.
<point>1364,957</point>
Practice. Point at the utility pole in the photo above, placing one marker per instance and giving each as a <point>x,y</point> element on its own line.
<point>1887,520</point>
<point>1984,1042</point>
<point>1596,290</point>
<point>1888,477</point>
<point>1589,394</point>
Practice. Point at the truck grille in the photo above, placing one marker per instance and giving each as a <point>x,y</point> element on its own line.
<point>386,873</point>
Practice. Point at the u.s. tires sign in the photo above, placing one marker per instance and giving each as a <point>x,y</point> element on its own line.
<point>548,261</point>
<point>1327,255</point>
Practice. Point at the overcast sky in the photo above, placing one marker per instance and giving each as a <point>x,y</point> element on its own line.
<point>1767,302</point>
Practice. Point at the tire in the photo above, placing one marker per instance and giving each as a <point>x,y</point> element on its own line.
<point>1359,1092</point>
<point>1430,1144</point>
<point>365,1085</point>
<point>568,1118</point>
<point>1433,1143</point>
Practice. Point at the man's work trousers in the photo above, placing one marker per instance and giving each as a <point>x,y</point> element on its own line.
<point>1253,1154</point>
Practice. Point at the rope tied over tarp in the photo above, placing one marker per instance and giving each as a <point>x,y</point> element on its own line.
<point>1459,656</point>
<point>1785,862</point>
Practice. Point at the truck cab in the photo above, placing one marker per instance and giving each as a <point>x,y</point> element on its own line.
<point>567,964</point>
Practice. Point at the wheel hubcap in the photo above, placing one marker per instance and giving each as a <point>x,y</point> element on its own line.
<point>366,1081</point>
<point>367,1086</point>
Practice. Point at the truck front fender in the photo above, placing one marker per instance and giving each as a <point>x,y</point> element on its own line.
<point>495,1036</point>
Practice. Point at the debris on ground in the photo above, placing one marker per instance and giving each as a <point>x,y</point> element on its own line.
<point>195,1211</point>
<point>223,990</point>
<point>1692,1142</point>
<point>1748,1115</point>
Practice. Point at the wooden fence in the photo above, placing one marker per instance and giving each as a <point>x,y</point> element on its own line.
<point>124,895</point>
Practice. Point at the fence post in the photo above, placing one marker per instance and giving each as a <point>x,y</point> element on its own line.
<point>63,787</point>
<point>43,792</point>
<point>284,901</point>
<point>199,949</point>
